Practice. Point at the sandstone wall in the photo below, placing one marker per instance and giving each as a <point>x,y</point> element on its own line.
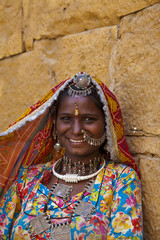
<point>43,42</point>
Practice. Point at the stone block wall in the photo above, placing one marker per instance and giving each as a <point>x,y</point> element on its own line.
<point>43,42</point>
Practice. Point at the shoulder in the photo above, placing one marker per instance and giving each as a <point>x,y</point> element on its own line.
<point>29,173</point>
<point>29,177</point>
<point>121,177</point>
<point>122,172</point>
<point>38,168</point>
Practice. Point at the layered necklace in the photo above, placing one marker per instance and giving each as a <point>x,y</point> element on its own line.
<point>43,221</point>
<point>71,173</point>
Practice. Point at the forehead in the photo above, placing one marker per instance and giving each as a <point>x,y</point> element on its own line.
<point>85,105</point>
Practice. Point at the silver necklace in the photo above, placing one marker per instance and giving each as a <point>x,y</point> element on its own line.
<point>79,168</point>
<point>42,222</point>
<point>74,178</point>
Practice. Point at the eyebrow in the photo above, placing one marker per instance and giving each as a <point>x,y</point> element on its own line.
<point>82,114</point>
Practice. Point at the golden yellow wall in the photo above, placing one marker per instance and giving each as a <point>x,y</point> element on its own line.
<point>43,42</point>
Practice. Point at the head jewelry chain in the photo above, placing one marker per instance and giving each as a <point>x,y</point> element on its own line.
<point>81,85</point>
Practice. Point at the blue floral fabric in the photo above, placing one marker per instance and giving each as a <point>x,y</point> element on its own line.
<point>116,196</point>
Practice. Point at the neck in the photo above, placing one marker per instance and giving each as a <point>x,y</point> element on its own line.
<point>80,167</point>
<point>85,158</point>
<point>75,175</point>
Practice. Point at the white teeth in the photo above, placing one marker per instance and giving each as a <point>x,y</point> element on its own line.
<point>76,141</point>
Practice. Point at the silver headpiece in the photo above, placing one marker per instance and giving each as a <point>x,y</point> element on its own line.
<point>81,85</point>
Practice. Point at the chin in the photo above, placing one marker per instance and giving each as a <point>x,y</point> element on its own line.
<point>76,153</point>
<point>79,152</point>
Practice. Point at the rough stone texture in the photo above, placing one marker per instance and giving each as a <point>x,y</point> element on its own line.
<point>10,28</point>
<point>88,51</point>
<point>54,18</point>
<point>150,169</point>
<point>149,146</point>
<point>24,79</point>
<point>27,77</point>
<point>135,79</point>
<point>137,71</point>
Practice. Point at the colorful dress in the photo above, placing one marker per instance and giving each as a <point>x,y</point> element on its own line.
<point>116,197</point>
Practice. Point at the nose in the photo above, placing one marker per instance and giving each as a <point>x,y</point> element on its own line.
<point>76,127</point>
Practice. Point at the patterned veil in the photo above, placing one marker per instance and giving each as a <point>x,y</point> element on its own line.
<point>28,140</point>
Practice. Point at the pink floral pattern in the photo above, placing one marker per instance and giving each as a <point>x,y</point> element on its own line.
<point>116,196</point>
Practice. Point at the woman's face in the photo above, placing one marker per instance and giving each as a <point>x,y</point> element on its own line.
<point>75,114</point>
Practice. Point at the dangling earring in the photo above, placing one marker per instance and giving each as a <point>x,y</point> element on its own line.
<point>57,145</point>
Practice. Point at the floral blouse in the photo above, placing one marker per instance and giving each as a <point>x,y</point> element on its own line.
<point>116,196</point>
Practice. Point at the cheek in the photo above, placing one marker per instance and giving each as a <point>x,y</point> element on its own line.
<point>100,125</point>
<point>61,128</point>
<point>97,130</point>
<point>100,130</point>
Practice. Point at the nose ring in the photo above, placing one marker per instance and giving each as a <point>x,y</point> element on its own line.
<point>93,141</point>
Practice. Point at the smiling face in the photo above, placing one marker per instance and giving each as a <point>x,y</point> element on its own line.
<point>75,114</point>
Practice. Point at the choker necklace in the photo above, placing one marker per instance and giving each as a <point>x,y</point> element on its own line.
<point>74,177</point>
<point>79,168</point>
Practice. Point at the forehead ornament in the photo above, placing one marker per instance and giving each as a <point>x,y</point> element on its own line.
<point>81,85</point>
<point>76,112</point>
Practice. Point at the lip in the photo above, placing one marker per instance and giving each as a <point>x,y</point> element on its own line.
<point>76,140</point>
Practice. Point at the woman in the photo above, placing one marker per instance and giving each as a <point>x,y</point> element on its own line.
<point>77,179</point>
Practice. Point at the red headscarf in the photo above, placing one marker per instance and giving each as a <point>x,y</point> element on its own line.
<point>28,140</point>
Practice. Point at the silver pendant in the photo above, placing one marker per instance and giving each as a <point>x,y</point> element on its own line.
<point>84,209</point>
<point>61,190</point>
<point>40,223</point>
<point>61,232</point>
<point>90,186</point>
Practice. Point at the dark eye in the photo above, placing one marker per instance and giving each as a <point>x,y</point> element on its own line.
<point>65,118</point>
<point>89,119</point>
